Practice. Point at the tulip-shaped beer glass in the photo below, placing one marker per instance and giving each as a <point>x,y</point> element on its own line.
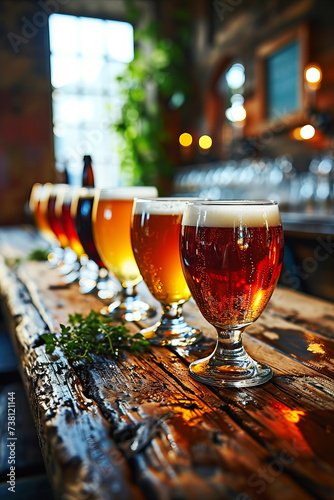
<point>112,210</point>
<point>232,253</point>
<point>38,204</point>
<point>155,235</point>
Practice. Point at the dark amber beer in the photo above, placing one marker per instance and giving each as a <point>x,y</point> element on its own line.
<point>232,254</point>
<point>82,208</point>
<point>57,189</point>
<point>155,242</point>
<point>66,219</point>
<point>232,262</point>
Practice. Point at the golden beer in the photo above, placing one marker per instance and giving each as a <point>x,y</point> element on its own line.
<point>155,242</point>
<point>111,230</point>
<point>155,234</point>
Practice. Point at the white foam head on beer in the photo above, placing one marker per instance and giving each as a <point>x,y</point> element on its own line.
<point>232,214</point>
<point>161,206</point>
<point>70,193</point>
<point>128,193</point>
<point>87,192</point>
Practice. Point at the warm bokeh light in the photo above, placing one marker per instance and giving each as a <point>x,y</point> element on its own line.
<point>313,74</point>
<point>303,133</point>
<point>205,142</point>
<point>185,139</point>
<point>307,132</point>
<point>237,112</point>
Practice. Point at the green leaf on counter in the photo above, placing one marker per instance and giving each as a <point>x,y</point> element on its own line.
<point>93,334</point>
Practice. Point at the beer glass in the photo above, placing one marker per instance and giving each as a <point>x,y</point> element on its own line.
<point>155,235</point>
<point>66,219</point>
<point>38,205</point>
<point>93,273</point>
<point>56,190</point>
<point>81,209</point>
<point>39,202</point>
<point>112,210</point>
<point>232,253</point>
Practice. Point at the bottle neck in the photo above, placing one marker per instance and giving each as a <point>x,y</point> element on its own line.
<point>88,174</point>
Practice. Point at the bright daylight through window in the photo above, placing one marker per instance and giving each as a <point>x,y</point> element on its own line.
<point>87,55</point>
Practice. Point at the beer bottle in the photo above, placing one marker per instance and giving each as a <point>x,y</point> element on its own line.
<point>87,174</point>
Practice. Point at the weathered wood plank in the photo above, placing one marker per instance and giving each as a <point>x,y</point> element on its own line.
<point>168,387</point>
<point>290,330</point>
<point>315,314</point>
<point>81,459</point>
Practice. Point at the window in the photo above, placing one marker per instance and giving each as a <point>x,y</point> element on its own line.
<point>86,57</point>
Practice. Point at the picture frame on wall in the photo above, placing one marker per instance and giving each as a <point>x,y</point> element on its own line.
<point>280,78</point>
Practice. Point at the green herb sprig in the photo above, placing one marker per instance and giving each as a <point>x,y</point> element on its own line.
<point>39,254</point>
<point>93,334</point>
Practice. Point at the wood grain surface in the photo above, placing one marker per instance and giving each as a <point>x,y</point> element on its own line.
<point>140,427</point>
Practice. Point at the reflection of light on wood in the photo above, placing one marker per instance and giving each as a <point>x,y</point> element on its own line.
<point>316,348</point>
<point>293,415</point>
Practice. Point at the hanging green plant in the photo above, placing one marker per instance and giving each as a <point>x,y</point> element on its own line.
<point>154,80</point>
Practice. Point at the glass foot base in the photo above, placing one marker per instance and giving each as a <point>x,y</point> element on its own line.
<point>182,335</point>
<point>129,310</point>
<point>210,371</point>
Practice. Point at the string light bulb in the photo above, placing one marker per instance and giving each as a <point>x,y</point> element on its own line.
<point>303,133</point>
<point>307,132</point>
<point>205,142</point>
<point>313,76</point>
<point>185,139</point>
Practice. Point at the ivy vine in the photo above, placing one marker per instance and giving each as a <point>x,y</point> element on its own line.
<point>153,82</point>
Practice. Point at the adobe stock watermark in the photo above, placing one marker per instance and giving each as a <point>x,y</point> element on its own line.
<point>39,19</point>
<point>91,139</point>
<point>11,441</point>
<point>309,265</point>
<point>267,474</point>
<point>226,6</point>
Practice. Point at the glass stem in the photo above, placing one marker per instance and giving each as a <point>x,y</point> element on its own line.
<point>229,345</point>
<point>129,291</point>
<point>172,314</point>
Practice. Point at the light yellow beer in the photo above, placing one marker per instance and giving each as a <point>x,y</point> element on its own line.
<point>111,229</point>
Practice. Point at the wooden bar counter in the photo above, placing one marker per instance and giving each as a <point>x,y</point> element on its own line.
<point>140,428</point>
